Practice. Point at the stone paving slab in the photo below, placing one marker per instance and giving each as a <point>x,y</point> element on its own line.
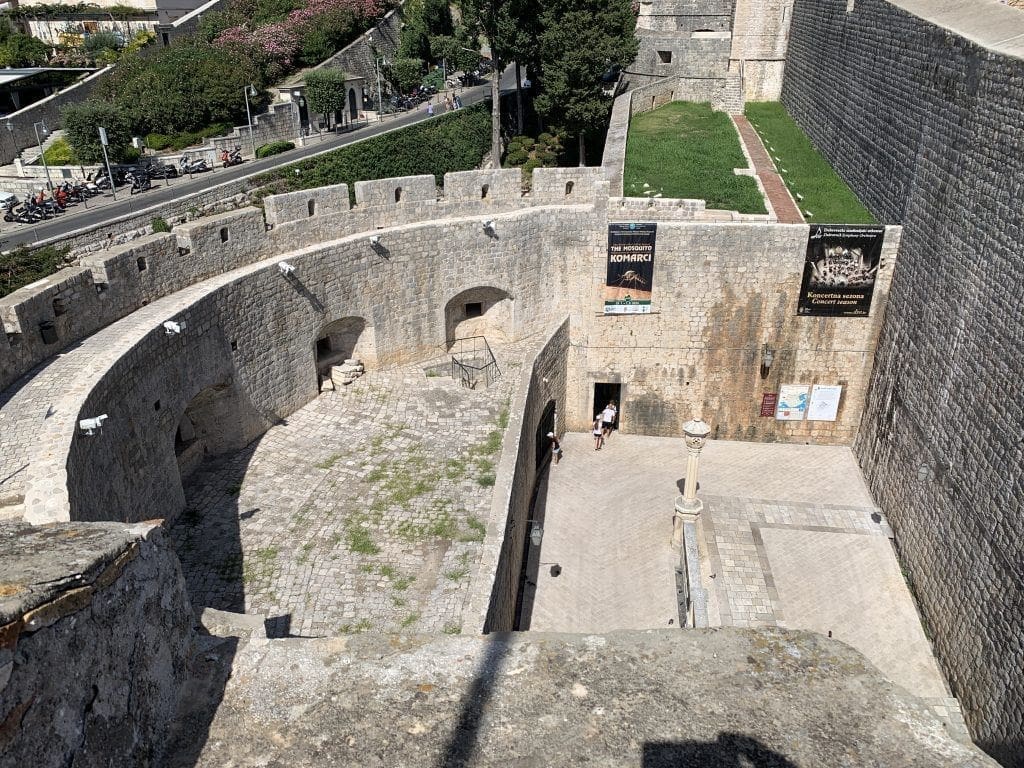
<point>364,511</point>
<point>790,536</point>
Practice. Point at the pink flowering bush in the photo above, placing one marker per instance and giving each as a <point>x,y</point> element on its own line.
<point>317,28</point>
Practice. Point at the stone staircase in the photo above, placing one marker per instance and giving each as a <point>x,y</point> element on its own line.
<point>732,96</point>
<point>30,155</point>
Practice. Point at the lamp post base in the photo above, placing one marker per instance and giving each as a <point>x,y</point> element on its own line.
<point>686,511</point>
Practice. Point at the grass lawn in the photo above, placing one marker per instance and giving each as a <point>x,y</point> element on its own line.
<point>687,150</point>
<point>807,173</point>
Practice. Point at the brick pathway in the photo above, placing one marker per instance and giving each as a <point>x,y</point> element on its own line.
<point>791,538</point>
<point>782,202</point>
<point>364,512</point>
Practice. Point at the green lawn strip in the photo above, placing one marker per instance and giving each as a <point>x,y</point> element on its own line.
<point>687,150</point>
<point>819,191</point>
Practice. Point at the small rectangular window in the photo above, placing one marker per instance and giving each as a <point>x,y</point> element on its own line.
<point>665,57</point>
<point>474,309</point>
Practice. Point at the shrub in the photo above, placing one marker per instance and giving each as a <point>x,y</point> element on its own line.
<point>515,158</point>
<point>81,122</point>
<point>24,265</point>
<point>60,153</point>
<point>158,141</point>
<point>274,148</point>
<point>159,224</point>
<point>457,142</point>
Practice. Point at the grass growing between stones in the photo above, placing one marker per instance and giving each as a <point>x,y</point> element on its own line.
<point>359,540</point>
<point>329,462</point>
<point>819,191</point>
<point>687,150</point>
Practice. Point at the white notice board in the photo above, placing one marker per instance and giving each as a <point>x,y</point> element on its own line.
<point>824,402</point>
<point>792,403</point>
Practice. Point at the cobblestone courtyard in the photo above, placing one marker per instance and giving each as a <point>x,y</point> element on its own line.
<point>363,511</point>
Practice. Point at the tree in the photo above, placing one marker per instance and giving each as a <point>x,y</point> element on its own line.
<point>484,16</point>
<point>325,90</point>
<point>580,40</point>
<point>459,51</point>
<point>519,29</point>
<point>82,121</point>
<point>407,73</point>
<point>23,51</point>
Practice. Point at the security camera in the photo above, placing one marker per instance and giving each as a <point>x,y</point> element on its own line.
<point>172,327</point>
<point>285,267</point>
<point>374,240</point>
<point>489,225</point>
<point>89,426</point>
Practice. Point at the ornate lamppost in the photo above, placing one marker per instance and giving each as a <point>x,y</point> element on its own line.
<point>688,506</point>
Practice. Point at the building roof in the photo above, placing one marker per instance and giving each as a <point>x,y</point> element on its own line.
<point>11,75</point>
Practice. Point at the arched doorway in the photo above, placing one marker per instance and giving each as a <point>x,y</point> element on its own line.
<point>339,340</point>
<point>211,424</point>
<point>353,105</point>
<point>483,311</point>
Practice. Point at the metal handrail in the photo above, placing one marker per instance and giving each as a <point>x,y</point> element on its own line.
<point>467,373</point>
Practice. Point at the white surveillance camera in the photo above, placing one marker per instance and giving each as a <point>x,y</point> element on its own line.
<point>172,327</point>
<point>89,426</point>
<point>489,225</point>
<point>285,267</point>
<point>374,240</point>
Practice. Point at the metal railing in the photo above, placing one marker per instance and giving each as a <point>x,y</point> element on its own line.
<point>473,362</point>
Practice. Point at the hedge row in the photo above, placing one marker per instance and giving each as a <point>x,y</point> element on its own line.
<point>456,141</point>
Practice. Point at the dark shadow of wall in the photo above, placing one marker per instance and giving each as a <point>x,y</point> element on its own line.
<point>927,127</point>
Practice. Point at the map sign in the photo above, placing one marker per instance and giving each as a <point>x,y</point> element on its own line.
<point>824,405</point>
<point>792,403</point>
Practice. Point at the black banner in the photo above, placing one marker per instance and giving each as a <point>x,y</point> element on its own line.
<point>840,270</point>
<point>630,276</point>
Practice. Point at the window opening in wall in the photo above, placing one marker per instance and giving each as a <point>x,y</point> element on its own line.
<point>141,263</point>
<point>568,187</point>
<point>608,392</point>
<point>60,306</point>
<point>311,207</point>
<point>665,57</point>
<point>234,346</point>
<point>48,332</point>
<point>398,194</point>
<point>475,309</point>
<point>484,190</point>
<point>156,406</point>
<point>166,38</point>
<point>223,234</point>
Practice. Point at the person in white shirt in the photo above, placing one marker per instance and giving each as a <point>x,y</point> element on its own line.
<point>608,419</point>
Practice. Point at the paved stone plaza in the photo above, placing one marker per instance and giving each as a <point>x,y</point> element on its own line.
<point>363,511</point>
<point>792,540</point>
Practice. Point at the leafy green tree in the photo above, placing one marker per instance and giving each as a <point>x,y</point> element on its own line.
<point>325,90</point>
<point>459,51</point>
<point>580,40</point>
<point>407,73</point>
<point>519,31</point>
<point>82,121</point>
<point>23,51</point>
<point>485,17</point>
<point>422,20</point>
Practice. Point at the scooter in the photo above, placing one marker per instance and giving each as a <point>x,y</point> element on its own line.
<point>188,165</point>
<point>139,180</point>
<point>234,157</point>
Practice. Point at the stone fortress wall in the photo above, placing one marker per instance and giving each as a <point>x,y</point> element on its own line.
<point>250,331</point>
<point>921,108</point>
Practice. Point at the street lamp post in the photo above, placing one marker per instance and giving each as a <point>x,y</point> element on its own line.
<point>42,157</point>
<point>380,102</point>
<point>250,90</point>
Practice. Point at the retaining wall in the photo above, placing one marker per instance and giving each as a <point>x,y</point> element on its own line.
<point>921,108</point>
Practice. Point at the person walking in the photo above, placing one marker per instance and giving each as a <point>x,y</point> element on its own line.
<point>458,101</point>
<point>608,419</point>
<point>448,103</point>
<point>598,433</point>
<point>430,109</point>
<point>556,447</point>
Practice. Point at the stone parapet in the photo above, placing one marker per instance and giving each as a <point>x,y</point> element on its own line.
<point>95,637</point>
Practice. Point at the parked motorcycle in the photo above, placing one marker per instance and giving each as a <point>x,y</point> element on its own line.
<point>190,165</point>
<point>234,157</point>
<point>139,180</point>
<point>157,170</point>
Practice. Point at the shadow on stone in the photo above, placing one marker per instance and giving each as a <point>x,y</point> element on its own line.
<point>461,746</point>
<point>731,750</point>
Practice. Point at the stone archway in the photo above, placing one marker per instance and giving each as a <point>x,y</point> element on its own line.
<point>482,311</point>
<point>211,424</point>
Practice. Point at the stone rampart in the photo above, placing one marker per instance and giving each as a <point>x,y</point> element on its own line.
<point>921,108</point>
<point>492,606</point>
<point>95,638</point>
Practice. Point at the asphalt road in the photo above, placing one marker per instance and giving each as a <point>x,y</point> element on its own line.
<point>104,208</point>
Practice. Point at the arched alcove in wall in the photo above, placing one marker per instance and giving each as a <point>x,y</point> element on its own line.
<point>482,311</point>
<point>210,425</point>
<point>348,337</point>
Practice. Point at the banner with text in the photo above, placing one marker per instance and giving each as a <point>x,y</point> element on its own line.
<point>628,286</point>
<point>840,270</point>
